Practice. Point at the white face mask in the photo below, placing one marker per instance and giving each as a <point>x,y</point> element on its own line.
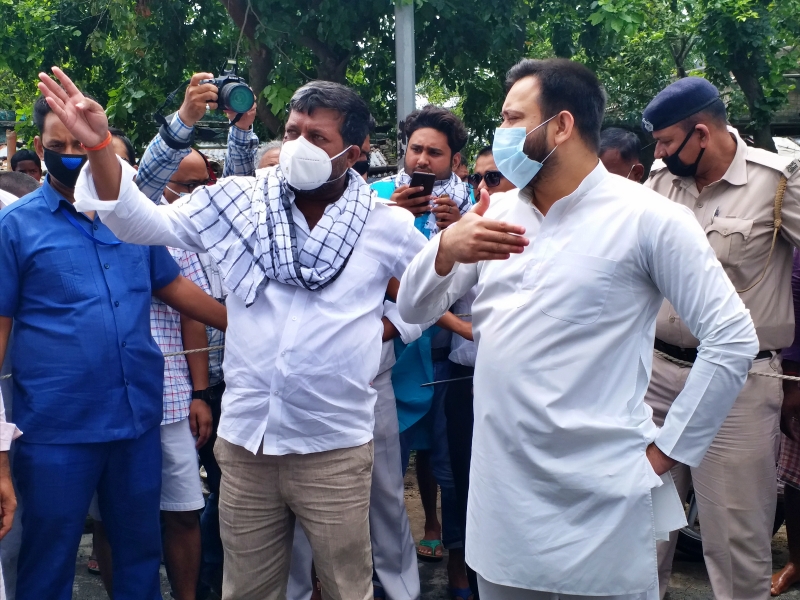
<point>306,166</point>
<point>178,194</point>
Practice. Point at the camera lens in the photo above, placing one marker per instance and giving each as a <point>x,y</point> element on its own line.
<point>236,96</point>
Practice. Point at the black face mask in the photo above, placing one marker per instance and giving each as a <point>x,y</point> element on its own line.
<point>64,167</point>
<point>677,167</point>
<point>361,167</point>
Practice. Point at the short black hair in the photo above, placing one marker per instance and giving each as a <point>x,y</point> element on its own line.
<point>485,151</point>
<point>41,109</point>
<point>25,154</point>
<point>566,85</point>
<point>626,142</point>
<point>17,184</point>
<point>129,150</point>
<point>715,113</point>
<point>356,118</point>
<point>442,120</point>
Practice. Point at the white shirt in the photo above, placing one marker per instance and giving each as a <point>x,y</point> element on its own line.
<point>464,351</point>
<point>560,495</point>
<point>298,363</point>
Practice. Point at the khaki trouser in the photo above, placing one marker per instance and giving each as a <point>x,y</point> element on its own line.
<point>735,484</point>
<point>260,496</point>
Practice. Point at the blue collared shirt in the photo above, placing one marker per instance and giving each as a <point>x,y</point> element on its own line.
<point>85,367</point>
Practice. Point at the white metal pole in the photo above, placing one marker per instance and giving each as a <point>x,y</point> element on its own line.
<point>405,62</point>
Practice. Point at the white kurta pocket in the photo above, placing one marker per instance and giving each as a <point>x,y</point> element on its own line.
<point>668,512</point>
<point>575,286</point>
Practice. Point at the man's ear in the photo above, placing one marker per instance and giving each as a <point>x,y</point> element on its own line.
<point>353,154</point>
<point>456,161</point>
<point>705,134</point>
<point>565,124</point>
<point>37,145</point>
<point>637,173</point>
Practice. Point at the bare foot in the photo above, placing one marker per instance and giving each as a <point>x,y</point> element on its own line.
<point>784,579</point>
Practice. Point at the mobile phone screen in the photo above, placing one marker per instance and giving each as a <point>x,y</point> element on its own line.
<point>425,180</point>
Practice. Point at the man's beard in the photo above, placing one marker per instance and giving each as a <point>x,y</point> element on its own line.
<point>536,149</point>
<point>439,177</point>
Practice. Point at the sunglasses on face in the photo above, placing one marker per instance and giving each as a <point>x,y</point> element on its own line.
<point>492,178</point>
<point>191,185</point>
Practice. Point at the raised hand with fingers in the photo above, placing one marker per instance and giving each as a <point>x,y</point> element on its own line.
<point>475,238</point>
<point>416,206</point>
<point>247,118</point>
<point>83,117</point>
<point>197,97</point>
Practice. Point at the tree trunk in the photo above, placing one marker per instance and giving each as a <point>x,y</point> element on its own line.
<point>262,62</point>
<point>754,94</point>
<point>261,65</point>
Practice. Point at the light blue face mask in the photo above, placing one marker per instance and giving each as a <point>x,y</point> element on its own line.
<point>509,157</point>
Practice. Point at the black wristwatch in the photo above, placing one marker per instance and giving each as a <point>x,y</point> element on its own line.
<point>204,395</point>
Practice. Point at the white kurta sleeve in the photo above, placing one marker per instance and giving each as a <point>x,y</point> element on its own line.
<point>8,431</point>
<point>686,270</point>
<point>408,331</point>
<point>424,294</point>
<point>134,218</point>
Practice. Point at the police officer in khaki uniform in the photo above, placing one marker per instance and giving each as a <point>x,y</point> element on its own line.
<point>748,202</point>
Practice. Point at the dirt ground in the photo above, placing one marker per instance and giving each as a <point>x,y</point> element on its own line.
<point>689,577</point>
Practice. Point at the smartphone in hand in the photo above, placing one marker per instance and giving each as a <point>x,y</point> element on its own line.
<point>425,180</point>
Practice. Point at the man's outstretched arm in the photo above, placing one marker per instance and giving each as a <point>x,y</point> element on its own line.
<point>188,299</point>
<point>447,267</point>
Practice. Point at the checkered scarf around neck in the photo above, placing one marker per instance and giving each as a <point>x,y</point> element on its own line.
<point>453,187</point>
<point>247,226</point>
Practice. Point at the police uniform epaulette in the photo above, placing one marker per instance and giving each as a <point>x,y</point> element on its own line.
<point>782,164</point>
<point>657,166</point>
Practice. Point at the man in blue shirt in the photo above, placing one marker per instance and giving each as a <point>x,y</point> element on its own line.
<point>87,376</point>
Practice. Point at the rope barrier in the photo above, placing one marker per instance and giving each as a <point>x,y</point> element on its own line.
<point>168,354</point>
<point>680,363</point>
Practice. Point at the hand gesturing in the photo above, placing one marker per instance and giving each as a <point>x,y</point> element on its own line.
<point>84,118</point>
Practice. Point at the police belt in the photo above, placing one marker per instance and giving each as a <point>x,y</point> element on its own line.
<point>690,354</point>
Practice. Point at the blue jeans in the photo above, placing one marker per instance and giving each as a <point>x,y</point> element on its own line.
<point>430,433</point>
<point>56,483</point>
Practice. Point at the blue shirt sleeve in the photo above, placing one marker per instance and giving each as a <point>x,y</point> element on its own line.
<point>9,269</point>
<point>163,268</point>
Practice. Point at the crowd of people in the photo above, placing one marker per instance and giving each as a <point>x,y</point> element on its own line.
<point>564,341</point>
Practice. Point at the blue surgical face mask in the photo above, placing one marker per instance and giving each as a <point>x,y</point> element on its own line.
<point>510,157</point>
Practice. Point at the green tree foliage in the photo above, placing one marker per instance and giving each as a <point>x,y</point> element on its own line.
<point>131,53</point>
<point>127,54</point>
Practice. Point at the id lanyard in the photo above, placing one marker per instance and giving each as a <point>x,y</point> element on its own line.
<point>85,234</point>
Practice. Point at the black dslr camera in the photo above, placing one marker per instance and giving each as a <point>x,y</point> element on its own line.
<point>232,92</point>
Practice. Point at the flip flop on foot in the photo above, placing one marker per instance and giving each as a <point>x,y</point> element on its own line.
<point>459,593</point>
<point>93,566</point>
<point>430,550</point>
<point>784,579</point>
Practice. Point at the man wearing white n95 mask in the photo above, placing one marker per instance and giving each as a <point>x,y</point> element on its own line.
<point>564,321</point>
<point>307,256</point>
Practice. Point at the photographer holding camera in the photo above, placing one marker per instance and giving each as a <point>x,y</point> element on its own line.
<point>173,143</point>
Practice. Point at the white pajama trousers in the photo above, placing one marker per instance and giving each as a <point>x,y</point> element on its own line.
<point>393,552</point>
<point>494,591</point>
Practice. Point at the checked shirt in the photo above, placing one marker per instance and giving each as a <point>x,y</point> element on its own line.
<point>165,326</point>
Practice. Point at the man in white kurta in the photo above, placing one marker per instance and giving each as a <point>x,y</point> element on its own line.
<point>565,493</point>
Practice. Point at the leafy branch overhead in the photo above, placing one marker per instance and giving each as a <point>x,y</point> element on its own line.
<point>131,53</point>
